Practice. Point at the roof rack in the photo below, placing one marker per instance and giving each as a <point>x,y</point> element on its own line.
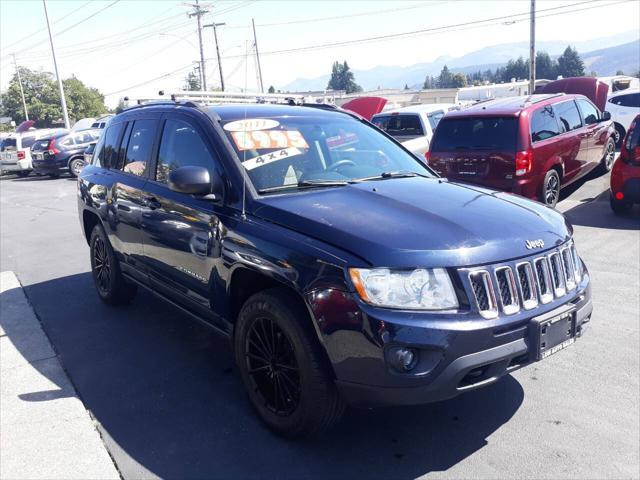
<point>233,97</point>
<point>540,97</point>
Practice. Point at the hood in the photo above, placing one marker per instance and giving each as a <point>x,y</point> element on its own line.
<point>592,88</point>
<point>417,221</point>
<point>366,107</point>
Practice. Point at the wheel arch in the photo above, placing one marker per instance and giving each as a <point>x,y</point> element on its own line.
<point>89,221</point>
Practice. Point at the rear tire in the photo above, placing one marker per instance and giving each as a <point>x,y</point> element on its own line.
<point>23,173</point>
<point>609,156</point>
<point>110,284</point>
<point>619,207</point>
<point>619,134</point>
<point>282,367</point>
<point>550,189</point>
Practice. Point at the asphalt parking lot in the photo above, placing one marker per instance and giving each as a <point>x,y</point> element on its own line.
<point>168,403</point>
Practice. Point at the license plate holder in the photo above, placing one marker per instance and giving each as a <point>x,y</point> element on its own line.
<point>553,332</point>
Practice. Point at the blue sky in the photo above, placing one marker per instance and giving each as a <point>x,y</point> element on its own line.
<point>128,43</point>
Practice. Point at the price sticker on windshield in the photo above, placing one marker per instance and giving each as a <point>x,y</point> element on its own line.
<point>268,139</point>
<point>267,158</point>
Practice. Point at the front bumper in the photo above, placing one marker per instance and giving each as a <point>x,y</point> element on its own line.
<point>457,352</point>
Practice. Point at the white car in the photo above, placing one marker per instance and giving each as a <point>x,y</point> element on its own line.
<point>623,106</point>
<point>413,126</point>
<point>15,150</point>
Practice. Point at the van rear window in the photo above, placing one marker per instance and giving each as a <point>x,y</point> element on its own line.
<point>8,144</point>
<point>404,125</point>
<point>476,133</point>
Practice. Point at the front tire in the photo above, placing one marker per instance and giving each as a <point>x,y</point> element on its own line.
<point>23,173</point>
<point>550,189</point>
<point>110,284</point>
<point>282,367</point>
<point>609,156</point>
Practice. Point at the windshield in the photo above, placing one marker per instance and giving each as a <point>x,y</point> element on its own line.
<point>475,133</point>
<point>289,151</point>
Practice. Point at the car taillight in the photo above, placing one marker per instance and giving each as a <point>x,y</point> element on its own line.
<point>20,154</point>
<point>427,156</point>
<point>52,147</point>
<point>523,162</point>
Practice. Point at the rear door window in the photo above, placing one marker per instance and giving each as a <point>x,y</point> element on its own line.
<point>40,145</point>
<point>476,133</point>
<point>544,124</point>
<point>590,113</point>
<point>568,116</point>
<point>140,146</point>
<point>404,125</point>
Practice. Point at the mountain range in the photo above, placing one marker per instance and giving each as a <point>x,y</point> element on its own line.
<point>603,55</point>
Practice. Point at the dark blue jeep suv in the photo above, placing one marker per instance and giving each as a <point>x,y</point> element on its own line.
<point>342,269</point>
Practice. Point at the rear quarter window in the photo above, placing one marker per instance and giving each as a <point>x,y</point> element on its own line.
<point>476,133</point>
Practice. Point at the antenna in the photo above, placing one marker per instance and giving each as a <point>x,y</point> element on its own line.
<point>244,128</point>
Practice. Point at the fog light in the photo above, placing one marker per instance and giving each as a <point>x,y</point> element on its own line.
<point>402,359</point>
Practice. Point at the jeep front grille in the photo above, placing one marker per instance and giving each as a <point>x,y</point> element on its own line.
<point>509,288</point>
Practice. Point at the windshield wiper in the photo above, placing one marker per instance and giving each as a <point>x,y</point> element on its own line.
<point>305,184</point>
<point>397,174</point>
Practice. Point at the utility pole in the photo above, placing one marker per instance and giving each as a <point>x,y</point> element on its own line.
<point>215,37</point>
<point>532,49</point>
<point>198,12</point>
<point>24,103</point>
<point>255,44</point>
<point>63,102</point>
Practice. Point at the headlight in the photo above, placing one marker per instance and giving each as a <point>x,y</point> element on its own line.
<point>421,289</point>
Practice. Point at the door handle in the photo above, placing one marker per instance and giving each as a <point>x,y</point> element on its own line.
<point>151,202</point>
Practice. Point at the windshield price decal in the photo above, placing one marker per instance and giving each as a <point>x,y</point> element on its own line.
<point>268,158</point>
<point>260,139</point>
<point>251,124</point>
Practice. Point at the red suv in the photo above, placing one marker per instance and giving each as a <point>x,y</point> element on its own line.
<point>531,145</point>
<point>625,175</point>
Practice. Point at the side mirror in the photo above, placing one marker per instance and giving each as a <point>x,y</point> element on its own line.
<point>196,181</point>
<point>605,116</point>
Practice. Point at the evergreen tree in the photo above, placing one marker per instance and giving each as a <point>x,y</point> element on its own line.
<point>570,64</point>
<point>342,78</point>
<point>545,66</point>
<point>445,79</point>
<point>272,89</point>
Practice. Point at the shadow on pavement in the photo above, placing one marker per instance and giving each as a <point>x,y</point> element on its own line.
<point>598,214</point>
<point>163,389</point>
<point>569,190</point>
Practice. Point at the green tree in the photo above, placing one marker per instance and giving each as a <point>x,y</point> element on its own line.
<point>570,64</point>
<point>445,79</point>
<point>43,100</point>
<point>121,105</point>
<point>272,89</point>
<point>458,80</point>
<point>406,87</point>
<point>545,66</point>
<point>342,78</point>
<point>429,83</point>
<point>619,72</point>
<point>518,69</point>
<point>192,81</point>
<point>82,101</point>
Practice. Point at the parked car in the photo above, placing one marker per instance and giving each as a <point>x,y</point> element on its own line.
<point>623,106</point>
<point>413,126</point>
<point>625,174</point>
<point>532,146</point>
<point>61,153</point>
<point>339,266</point>
<point>15,151</point>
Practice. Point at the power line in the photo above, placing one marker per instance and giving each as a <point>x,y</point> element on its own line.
<point>165,75</point>
<point>73,25</point>
<point>63,17</point>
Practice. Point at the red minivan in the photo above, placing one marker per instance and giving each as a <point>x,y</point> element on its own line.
<point>532,145</point>
<point>625,174</point>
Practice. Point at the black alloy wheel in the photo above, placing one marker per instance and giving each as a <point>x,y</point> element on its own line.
<point>551,188</point>
<point>272,366</point>
<point>101,266</point>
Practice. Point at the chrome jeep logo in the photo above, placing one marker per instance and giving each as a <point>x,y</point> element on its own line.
<point>531,244</point>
